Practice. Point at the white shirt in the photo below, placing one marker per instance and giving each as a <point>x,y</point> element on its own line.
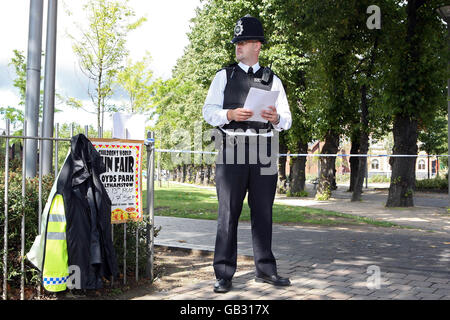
<point>215,115</point>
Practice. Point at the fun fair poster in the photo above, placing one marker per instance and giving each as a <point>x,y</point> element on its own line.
<point>123,177</point>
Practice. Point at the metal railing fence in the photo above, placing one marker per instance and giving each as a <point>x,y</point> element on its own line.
<point>148,219</point>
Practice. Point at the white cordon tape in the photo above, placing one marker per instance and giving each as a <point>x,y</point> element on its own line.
<point>316,155</point>
<point>185,151</point>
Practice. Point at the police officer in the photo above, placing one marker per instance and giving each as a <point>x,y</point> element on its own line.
<point>223,108</point>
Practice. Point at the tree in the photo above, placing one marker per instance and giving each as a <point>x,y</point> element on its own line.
<point>135,79</point>
<point>371,121</point>
<point>286,53</point>
<point>413,85</point>
<point>101,47</point>
<point>329,31</point>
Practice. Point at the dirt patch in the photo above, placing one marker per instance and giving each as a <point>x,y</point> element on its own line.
<point>174,268</point>
<point>178,268</point>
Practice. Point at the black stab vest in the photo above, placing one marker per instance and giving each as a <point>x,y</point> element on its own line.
<point>236,91</point>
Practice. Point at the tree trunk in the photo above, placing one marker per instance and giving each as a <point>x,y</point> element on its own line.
<point>403,179</point>
<point>207,175</point>
<point>194,173</point>
<point>333,182</point>
<point>103,119</point>
<point>327,165</point>
<point>99,97</point>
<point>183,173</point>
<point>190,173</point>
<point>363,146</point>
<point>362,167</point>
<point>177,174</point>
<point>199,175</point>
<point>213,175</point>
<point>297,176</point>
<point>282,179</point>
<point>354,161</point>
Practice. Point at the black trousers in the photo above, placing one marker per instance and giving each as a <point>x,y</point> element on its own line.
<point>233,180</point>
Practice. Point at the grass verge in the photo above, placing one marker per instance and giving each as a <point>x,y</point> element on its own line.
<point>198,203</point>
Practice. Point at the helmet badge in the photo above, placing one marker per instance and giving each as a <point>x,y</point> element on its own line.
<point>238,29</point>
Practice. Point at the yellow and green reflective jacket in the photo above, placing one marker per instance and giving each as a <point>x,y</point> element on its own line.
<point>55,269</point>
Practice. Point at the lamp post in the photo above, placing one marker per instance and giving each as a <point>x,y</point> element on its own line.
<point>49,87</point>
<point>33,83</point>
<point>444,12</point>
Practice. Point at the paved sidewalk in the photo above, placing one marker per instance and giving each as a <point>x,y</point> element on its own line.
<point>334,262</point>
<point>324,263</point>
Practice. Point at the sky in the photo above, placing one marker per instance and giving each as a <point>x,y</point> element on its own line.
<point>163,35</point>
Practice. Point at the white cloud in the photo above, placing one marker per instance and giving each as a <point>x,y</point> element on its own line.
<point>9,98</point>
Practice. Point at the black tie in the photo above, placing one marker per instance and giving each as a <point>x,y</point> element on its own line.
<point>250,71</point>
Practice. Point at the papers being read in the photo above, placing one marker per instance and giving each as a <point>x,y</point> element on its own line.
<point>259,100</point>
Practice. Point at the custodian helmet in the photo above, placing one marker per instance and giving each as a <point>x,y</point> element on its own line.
<point>248,28</point>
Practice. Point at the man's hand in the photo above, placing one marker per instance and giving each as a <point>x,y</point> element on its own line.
<point>239,114</point>
<point>270,115</point>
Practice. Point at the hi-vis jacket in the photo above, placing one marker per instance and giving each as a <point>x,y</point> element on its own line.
<point>76,224</point>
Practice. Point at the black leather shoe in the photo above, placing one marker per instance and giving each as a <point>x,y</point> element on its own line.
<point>222,286</point>
<point>274,279</point>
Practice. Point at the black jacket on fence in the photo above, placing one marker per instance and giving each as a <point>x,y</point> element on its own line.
<point>87,208</point>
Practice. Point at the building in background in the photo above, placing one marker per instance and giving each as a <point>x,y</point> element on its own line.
<point>377,166</point>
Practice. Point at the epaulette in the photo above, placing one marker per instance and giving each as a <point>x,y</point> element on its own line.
<point>233,65</point>
<point>230,68</point>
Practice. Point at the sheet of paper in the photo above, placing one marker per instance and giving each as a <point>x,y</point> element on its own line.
<point>128,126</point>
<point>258,100</point>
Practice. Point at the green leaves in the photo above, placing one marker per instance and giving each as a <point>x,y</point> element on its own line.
<point>434,137</point>
<point>135,78</point>
<point>20,66</point>
<point>101,47</point>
